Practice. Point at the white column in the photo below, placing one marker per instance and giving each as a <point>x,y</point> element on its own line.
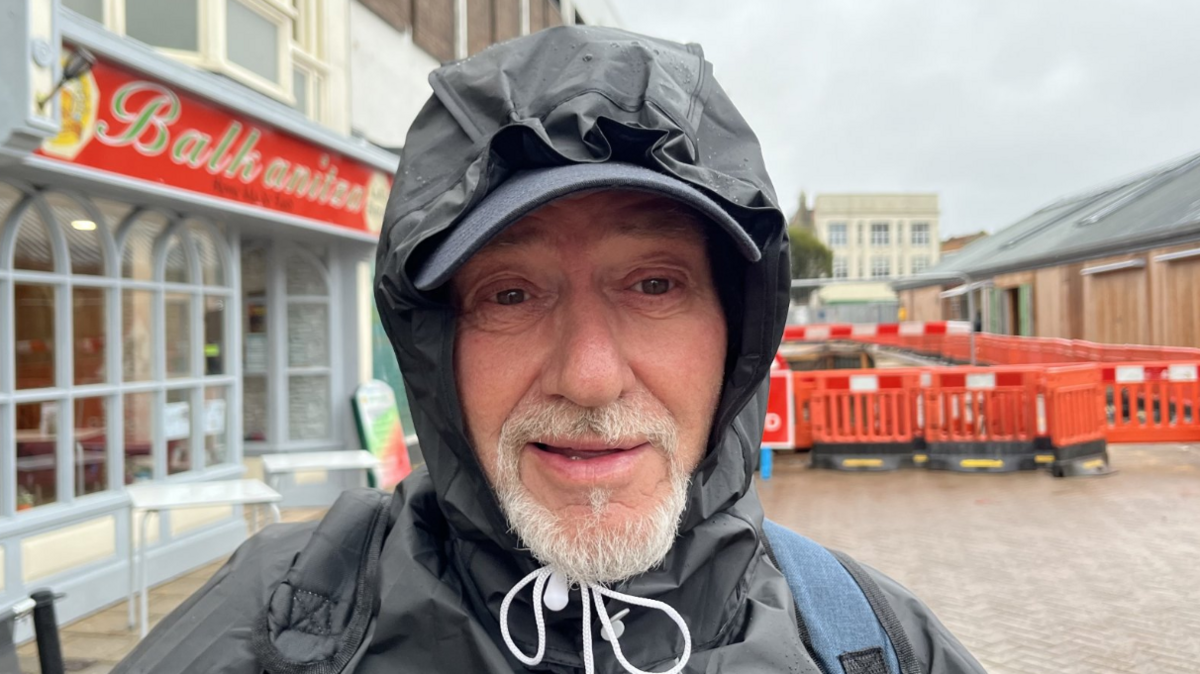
<point>568,12</point>
<point>460,29</point>
<point>525,17</point>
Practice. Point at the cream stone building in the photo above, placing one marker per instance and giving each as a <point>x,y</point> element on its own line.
<point>879,236</point>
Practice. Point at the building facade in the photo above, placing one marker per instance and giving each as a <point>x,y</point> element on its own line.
<point>186,234</point>
<point>1118,265</point>
<point>879,236</point>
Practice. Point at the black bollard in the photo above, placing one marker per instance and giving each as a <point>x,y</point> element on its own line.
<point>46,627</point>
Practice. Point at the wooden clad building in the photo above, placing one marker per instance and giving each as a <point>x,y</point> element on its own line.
<point>1116,265</point>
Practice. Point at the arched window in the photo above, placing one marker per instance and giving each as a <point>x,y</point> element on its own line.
<point>113,334</point>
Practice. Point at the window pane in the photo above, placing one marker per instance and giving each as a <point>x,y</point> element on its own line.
<point>34,313</point>
<point>137,336</point>
<point>91,445</point>
<point>137,255</point>
<point>254,272</point>
<point>89,319</point>
<point>139,437</point>
<point>33,250</point>
<point>177,429</point>
<point>212,272</point>
<point>308,335</point>
<point>300,89</point>
<point>254,408</point>
<point>304,277</point>
<point>178,269</point>
<point>214,335</point>
<point>84,236</point>
<point>308,407</point>
<point>216,434</point>
<point>178,319</point>
<point>92,9</point>
<point>253,40</point>
<point>173,24</point>
<point>37,458</point>
<point>315,94</point>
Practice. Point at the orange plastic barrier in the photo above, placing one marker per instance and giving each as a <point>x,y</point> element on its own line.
<point>1076,420</point>
<point>864,419</point>
<point>1151,402</point>
<point>950,340</point>
<point>982,404</point>
<point>803,384</point>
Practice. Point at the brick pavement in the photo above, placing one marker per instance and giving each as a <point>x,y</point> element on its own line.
<point>1033,574</point>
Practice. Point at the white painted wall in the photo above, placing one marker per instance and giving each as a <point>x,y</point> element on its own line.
<point>597,13</point>
<point>388,78</point>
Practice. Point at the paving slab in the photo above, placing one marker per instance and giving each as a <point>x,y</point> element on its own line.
<point>1032,573</point>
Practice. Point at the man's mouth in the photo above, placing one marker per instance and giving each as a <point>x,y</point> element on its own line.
<point>578,453</point>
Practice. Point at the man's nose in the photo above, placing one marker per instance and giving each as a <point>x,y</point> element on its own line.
<point>588,366</point>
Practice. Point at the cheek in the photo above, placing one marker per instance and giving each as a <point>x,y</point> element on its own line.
<point>683,366</point>
<point>490,384</point>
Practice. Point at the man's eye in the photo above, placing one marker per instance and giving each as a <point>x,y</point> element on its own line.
<point>655,286</point>
<point>510,297</point>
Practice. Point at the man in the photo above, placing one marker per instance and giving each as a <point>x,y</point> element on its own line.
<point>583,271</point>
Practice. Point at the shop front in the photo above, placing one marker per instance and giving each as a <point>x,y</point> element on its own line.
<point>183,286</point>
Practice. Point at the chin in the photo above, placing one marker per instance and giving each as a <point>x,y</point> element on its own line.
<point>600,543</point>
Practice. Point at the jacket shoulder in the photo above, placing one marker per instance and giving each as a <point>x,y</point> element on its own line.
<point>937,650</point>
<point>211,631</point>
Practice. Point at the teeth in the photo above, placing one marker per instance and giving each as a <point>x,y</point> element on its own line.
<point>574,458</point>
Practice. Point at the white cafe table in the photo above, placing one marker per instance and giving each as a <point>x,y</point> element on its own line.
<point>155,498</point>
<point>294,462</point>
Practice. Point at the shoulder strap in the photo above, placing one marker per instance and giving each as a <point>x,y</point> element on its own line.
<point>843,628</point>
<point>319,615</point>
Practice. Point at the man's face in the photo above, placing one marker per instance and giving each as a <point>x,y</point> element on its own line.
<point>589,360</point>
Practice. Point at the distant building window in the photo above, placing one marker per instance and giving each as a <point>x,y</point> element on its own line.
<point>841,268</point>
<point>920,234</point>
<point>881,267</point>
<point>837,234</point>
<point>880,234</point>
<point>919,264</point>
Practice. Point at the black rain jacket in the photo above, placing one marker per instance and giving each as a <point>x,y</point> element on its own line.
<point>442,558</point>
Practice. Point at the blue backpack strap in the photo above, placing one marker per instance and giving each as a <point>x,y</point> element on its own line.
<point>839,622</point>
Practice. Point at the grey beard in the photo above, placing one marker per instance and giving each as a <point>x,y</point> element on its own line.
<point>585,549</point>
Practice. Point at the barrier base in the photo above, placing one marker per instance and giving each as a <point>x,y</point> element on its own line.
<point>1087,458</point>
<point>986,457</point>
<point>861,457</point>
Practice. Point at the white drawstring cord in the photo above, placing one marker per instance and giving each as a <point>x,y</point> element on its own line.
<point>612,635</point>
<point>541,575</point>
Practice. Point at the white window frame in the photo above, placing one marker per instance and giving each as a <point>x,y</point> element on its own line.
<point>881,266</point>
<point>307,55</point>
<point>921,228</point>
<point>839,228</point>
<point>923,259</point>
<point>841,267</point>
<point>881,234</point>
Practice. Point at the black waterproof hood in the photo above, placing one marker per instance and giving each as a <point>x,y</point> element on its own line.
<point>567,95</point>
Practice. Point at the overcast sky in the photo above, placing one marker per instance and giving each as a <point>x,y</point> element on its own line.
<point>999,106</point>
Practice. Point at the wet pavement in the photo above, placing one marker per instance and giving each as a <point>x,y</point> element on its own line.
<point>1033,574</point>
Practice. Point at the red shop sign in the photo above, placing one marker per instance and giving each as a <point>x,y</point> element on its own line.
<point>117,121</point>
